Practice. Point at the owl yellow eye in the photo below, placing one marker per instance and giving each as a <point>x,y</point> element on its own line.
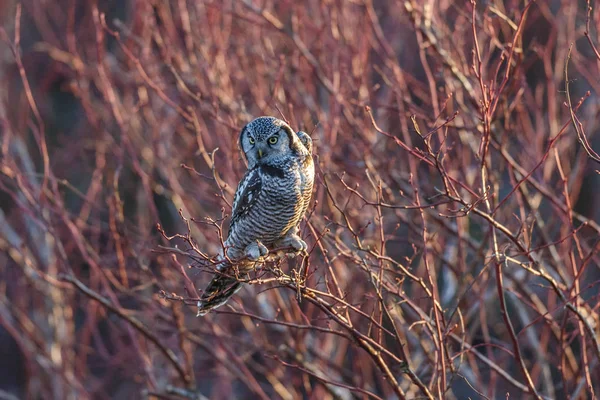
<point>273,140</point>
<point>251,140</point>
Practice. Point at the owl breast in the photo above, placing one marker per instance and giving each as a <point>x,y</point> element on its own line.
<point>277,208</point>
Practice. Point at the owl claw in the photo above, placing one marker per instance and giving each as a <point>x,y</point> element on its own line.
<point>255,251</point>
<point>299,245</point>
<point>294,242</point>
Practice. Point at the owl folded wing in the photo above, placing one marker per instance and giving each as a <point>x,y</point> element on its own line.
<point>245,195</point>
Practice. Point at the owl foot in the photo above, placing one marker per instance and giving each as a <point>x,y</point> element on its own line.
<point>252,252</point>
<point>294,242</point>
<point>256,250</point>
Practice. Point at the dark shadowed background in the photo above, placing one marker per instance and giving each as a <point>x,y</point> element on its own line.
<point>454,233</point>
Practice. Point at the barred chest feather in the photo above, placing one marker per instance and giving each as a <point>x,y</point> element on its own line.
<point>271,200</point>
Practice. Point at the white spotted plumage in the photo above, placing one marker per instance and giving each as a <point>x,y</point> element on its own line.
<point>268,206</point>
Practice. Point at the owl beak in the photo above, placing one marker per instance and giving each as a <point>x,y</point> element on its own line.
<point>260,153</point>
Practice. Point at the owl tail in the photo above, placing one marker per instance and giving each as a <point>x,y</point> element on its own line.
<point>218,291</point>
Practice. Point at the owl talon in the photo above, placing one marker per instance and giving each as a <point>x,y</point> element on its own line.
<point>294,243</point>
<point>298,244</point>
<point>255,251</point>
<point>262,249</point>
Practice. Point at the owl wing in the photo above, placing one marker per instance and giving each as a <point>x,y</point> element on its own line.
<point>246,195</point>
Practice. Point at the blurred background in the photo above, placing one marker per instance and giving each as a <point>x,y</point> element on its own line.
<point>455,227</point>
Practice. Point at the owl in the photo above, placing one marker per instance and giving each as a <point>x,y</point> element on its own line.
<point>268,205</point>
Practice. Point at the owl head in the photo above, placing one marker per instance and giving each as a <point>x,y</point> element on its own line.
<point>268,140</point>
